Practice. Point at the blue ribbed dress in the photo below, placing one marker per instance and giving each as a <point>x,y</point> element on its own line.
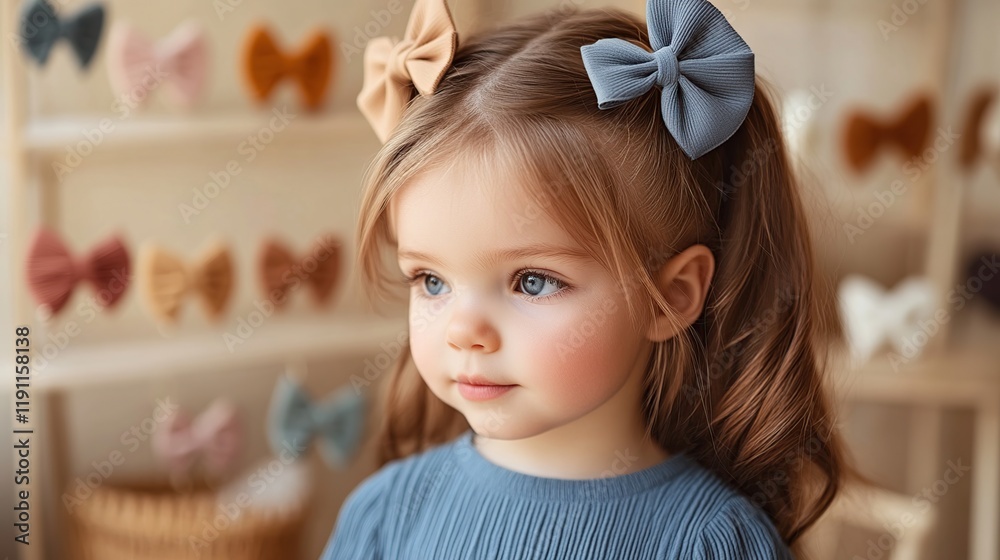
<point>450,502</point>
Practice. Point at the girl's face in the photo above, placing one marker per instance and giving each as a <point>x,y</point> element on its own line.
<point>501,292</point>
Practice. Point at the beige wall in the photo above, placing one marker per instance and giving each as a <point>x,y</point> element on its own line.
<point>306,182</point>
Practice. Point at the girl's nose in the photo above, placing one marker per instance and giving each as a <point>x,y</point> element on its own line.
<point>470,329</point>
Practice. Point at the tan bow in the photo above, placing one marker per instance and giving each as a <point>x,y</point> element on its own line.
<point>393,69</point>
<point>166,279</point>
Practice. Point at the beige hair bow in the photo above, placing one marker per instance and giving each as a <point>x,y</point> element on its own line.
<point>418,61</point>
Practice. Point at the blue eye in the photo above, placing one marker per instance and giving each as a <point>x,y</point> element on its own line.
<point>433,284</point>
<point>533,284</point>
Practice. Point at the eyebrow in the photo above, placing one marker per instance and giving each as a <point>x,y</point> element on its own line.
<point>485,260</point>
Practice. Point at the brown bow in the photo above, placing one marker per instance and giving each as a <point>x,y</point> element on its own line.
<point>264,66</point>
<point>394,69</point>
<point>166,279</point>
<point>908,132</point>
<point>972,131</point>
<point>281,272</point>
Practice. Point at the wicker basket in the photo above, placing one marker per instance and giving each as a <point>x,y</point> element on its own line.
<point>151,521</point>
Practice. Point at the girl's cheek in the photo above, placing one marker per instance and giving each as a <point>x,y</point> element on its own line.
<point>426,336</point>
<point>581,358</point>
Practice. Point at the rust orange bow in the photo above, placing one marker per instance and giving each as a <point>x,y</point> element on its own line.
<point>281,272</point>
<point>394,69</point>
<point>908,132</point>
<point>265,65</point>
<point>52,272</point>
<point>165,279</point>
<point>973,141</point>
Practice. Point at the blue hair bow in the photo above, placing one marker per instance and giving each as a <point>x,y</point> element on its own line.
<point>704,68</point>
<point>40,28</point>
<point>294,420</point>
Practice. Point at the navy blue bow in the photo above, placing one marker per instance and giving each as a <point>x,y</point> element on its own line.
<point>703,67</point>
<point>41,28</point>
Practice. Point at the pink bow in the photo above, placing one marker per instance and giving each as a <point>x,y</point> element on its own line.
<point>215,436</point>
<point>137,66</point>
<point>52,272</point>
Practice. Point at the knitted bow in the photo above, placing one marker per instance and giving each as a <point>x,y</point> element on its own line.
<point>264,66</point>
<point>704,69</point>
<point>281,271</point>
<point>215,436</point>
<point>908,132</point>
<point>165,280</point>
<point>293,421</point>
<point>52,272</point>
<point>41,28</point>
<point>394,69</point>
<point>136,64</point>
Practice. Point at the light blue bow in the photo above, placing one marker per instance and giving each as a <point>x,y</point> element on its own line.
<point>705,70</point>
<point>293,422</point>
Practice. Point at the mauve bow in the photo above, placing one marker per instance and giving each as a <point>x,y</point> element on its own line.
<point>264,66</point>
<point>908,132</point>
<point>136,63</point>
<point>281,271</point>
<point>166,279</point>
<point>52,272</point>
<point>394,69</point>
<point>41,28</point>
<point>704,69</point>
<point>293,422</point>
<point>215,436</point>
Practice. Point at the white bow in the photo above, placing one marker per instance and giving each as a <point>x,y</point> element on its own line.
<point>874,316</point>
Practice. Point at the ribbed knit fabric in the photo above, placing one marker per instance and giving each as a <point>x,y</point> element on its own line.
<point>450,502</point>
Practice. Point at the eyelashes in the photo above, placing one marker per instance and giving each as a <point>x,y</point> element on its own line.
<point>417,280</point>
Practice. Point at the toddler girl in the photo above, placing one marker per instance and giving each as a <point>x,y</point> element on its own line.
<point>614,345</point>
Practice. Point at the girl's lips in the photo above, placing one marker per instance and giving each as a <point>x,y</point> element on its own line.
<point>482,392</point>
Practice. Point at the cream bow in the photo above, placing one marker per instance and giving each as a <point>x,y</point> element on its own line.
<point>419,61</point>
<point>873,316</point>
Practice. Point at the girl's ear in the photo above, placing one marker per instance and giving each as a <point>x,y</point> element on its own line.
<point>683,280</point>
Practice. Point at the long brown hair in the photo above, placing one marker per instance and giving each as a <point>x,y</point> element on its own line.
<point>742,389</point>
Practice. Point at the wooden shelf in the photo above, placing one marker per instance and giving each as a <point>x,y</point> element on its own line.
<point>273,342</point>
<point>960,378</point>
<point>57,134</point>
